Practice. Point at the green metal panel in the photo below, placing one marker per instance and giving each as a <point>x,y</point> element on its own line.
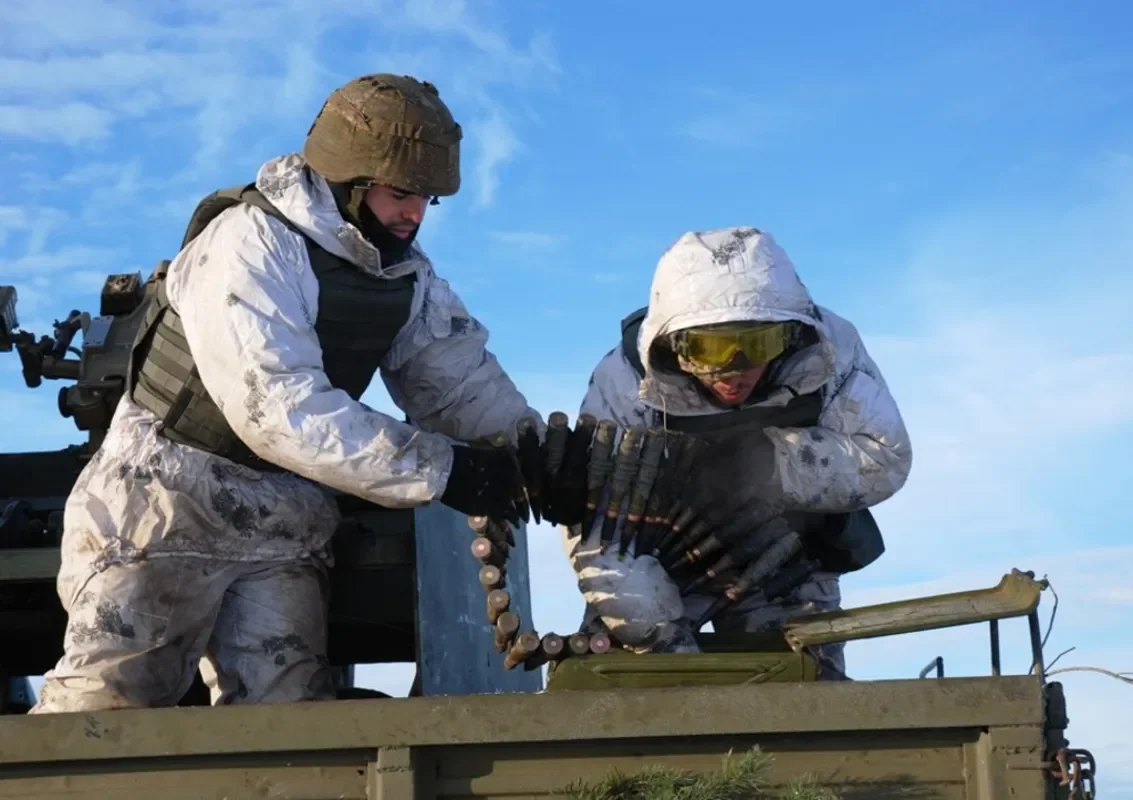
<point>622,669</point>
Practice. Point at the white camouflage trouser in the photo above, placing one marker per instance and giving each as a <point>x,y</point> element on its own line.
<point>137,632</point>
<point>171,555</point>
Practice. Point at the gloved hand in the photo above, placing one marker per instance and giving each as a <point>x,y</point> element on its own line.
<point>564,478</point>
<point>483,482</point>
<point>732,478</point>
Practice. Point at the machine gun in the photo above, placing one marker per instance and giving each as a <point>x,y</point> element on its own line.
<point>98,369</point>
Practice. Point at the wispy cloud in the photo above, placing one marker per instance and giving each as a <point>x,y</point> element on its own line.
<point>529,239</point>
<point>497,144</point>
<point>69,123</point>
<point>734,122</point>
<point>77,79</point>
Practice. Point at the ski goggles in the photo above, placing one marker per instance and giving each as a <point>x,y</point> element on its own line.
<point>714,347</point>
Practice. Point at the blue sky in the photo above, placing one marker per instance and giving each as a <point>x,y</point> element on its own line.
<point>956,179</point>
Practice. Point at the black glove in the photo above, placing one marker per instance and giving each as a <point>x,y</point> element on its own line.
<point>484,482</point>
<point>732,478</point>
<point>564,481</point>
<point>846,542</point>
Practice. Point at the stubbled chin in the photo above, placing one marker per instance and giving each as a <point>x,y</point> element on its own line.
<point>728,398</point>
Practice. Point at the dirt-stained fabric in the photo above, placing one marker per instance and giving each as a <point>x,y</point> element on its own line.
<point>137,631</point>
<point>147,515</point>
<point>858,455</point>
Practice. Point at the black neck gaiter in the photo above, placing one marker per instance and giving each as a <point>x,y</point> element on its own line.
<point>351,204</point>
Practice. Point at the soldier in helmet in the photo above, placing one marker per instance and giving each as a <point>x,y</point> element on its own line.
<point>202,525</point>
<point>801,434</point>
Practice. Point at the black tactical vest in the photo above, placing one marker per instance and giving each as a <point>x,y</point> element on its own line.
<point>843,542</point>
<point>357,319</point>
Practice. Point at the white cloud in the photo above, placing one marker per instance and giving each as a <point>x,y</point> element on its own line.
<point>497,144</point>
<point>70,123</point>
<point>224,70</point>
<point>528,239</point>
<point>35,266</point>
<point>12,218</point>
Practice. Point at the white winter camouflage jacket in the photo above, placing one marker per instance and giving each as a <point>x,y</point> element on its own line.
<point>438,370</point>
<point>857,456</point>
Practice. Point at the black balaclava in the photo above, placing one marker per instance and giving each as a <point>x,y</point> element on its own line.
<point>350,201</point>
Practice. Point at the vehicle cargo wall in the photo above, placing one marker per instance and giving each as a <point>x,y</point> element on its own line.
<point>969,739</point>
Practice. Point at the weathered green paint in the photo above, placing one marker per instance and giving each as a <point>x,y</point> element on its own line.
<point>622,669</point>
<point>961,739</point>
<point>551,716</point>
<point>1016,595</point>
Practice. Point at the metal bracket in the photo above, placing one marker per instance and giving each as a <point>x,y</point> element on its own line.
<point>1073,768</point>
<point>937,664</point>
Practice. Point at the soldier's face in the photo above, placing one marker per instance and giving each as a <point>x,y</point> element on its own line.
<point>399,211</point>
<point>732,388</point>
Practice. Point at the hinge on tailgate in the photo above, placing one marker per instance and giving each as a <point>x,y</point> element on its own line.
<point>1074,769</point>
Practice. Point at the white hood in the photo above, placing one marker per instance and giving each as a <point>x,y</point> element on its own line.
<point>728,275</point>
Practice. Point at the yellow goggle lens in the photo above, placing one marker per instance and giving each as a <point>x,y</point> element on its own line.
<point>718,347</point>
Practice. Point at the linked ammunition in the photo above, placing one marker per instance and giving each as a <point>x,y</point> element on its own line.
<point>578,644</point>
<point>601,463</point>
<point>662,496</point>
<point>576,459</point>
<point>696,538</point>
<point>531,464</point>
<point>491,577</point>
<point>701,541</point>
<point>498,531</point>
<point>682,470</point>
<point>625,470</point>
<point>556,442</point>
<point>647,473</point>
<point>506,626</point>
<point>600,643</point>
<point>519,491</point>
<point>551,648</point>
<point>498,601</point>
<point>772,559</point>
<point>525,646</point>
<point>483,550</point>
<point>553,645</point>
<point>743,549</point>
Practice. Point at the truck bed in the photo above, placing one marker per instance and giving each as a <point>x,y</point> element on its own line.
<point>932,739</point>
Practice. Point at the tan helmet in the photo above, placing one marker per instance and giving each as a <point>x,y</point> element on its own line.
<point>389,129</point>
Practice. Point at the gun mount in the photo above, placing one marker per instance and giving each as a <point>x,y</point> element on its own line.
<point>98,368</point>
